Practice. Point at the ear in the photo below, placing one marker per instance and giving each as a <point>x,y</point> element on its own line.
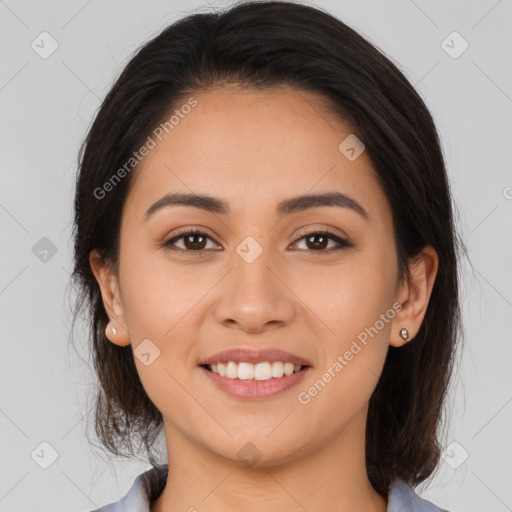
<point>415,295</point>
<point>112,300</point>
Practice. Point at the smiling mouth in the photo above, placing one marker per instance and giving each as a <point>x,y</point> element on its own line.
<point>258,372</point>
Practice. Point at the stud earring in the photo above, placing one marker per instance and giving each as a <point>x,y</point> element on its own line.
<point>404,333</point>
<point>112,329</point>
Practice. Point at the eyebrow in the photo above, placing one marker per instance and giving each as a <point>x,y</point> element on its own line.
<point>286,207</point>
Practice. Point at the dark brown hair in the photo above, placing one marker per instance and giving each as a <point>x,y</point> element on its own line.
<point>260,45</point>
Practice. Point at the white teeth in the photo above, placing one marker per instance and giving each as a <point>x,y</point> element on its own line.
<point>245,371</point>
<point>221,369</point>
<point>263,371</point>
<point>259,371</point>
<point>277,369</point>
<point>288,368</point>
<point>232,370</point>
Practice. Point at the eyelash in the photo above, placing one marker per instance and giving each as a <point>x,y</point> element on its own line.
<point>343,244</point>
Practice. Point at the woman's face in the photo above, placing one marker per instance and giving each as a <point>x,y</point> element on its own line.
<point>254,280</point>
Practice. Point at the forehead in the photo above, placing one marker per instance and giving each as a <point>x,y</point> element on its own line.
<point>253,146</point>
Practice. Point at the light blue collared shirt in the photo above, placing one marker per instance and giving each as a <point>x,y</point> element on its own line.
<point>401,498</point>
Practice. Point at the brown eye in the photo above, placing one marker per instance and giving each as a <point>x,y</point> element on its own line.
<point>317,241</point>
<point>193,241</point>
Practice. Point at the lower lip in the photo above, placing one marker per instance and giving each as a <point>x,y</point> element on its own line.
<point>253,389</point>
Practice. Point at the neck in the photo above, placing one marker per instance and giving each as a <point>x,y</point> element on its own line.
<point>329,478</point>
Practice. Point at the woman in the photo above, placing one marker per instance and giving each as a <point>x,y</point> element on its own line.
<point>264,238</point>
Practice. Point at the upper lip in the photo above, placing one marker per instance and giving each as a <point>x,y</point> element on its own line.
<point>254,356</point>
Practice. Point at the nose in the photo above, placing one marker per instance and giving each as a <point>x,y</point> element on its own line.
<point>254,296</point>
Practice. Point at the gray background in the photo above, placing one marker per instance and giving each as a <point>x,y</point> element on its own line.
<point>47,105</point>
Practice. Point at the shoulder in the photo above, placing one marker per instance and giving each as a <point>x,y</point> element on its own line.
<point>144,489</point>
<point>403,498</point>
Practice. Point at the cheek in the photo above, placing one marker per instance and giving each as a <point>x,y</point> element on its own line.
<point>158,293</point>
<point>357,310</point>
<point>352,305</point>
<point>163,304</point>
<point>349,296</point>
<point>160,300</point>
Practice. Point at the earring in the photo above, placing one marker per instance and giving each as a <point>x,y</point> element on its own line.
<point>404,333</point>
<point>113,329</point>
